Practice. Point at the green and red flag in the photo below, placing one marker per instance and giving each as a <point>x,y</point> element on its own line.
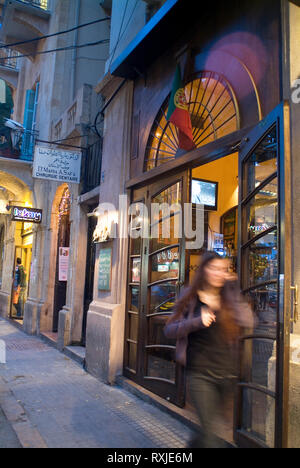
<point>178,113</point>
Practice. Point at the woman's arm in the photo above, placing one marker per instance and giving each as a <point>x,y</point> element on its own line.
<point>183,327</point>
<point>244,315</point>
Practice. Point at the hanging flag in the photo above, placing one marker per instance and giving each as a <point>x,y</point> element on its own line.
<point>178,113</point>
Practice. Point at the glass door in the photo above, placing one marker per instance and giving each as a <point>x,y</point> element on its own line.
<point>264,270</point>
<point>156,274</point>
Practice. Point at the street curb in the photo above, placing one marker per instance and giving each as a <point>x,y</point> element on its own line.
<point>27,434</point>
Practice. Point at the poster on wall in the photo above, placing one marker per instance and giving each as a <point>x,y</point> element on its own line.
<point>56,164</point>
<point>63,263</point>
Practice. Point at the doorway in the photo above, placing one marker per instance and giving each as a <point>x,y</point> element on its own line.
<point>89,270</point>
<point>214,186</point>
<point>246,218</point>
<point>62,256</point>
<point>21,280</point>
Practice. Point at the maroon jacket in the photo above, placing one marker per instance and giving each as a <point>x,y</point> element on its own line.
<point>188,323</point>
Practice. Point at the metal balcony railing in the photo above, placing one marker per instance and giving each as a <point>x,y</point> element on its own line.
<point>17,144</point>
<point>9,58</point>
<point>91,167</point>
<point>38,3</point>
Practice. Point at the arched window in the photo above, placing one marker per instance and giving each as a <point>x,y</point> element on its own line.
<point>214,113</point>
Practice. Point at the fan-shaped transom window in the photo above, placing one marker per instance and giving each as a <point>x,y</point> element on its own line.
<point>214,114</point>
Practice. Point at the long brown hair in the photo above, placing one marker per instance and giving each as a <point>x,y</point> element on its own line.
<point>229,294</point>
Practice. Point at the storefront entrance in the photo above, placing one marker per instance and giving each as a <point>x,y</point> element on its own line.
<point>246,217</point>
<point>23,238</point>
<point>20,286</point>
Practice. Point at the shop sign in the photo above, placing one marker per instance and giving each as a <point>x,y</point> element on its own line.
<point>27,215</point>
<point>63,263</point>
<point>104,275</point>
<point>56,164</point>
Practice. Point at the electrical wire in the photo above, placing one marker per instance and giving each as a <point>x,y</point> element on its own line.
<point>91,58</point>
<point>118,39</point>
<point>101,111</point>
<point>88,44</point>
<point>7,46</point>
<point>61,144</point>
<point>121,35</point>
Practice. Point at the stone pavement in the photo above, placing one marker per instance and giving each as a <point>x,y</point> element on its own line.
<point>51,402</point>
<point>8,437</point>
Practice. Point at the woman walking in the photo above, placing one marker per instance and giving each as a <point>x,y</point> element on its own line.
<point>207,321</point>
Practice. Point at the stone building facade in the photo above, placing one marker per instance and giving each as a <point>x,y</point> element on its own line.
<point>55,101</point>
<point>239,66</point>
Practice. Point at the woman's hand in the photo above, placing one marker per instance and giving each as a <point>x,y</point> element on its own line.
<point>212,301</point>
<point>207,317</point>
<point>230,276</point>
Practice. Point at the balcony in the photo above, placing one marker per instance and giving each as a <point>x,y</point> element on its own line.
<point>16,142</point>
<point>22,21</point>
<point>69,128</point>
<point>9,67</point>
<point>76,117</point>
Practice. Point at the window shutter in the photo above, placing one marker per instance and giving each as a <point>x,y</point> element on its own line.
<point>33,127</point>
<point>26,151</point>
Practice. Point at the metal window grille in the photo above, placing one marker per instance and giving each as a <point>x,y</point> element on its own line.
<point>9,58</point>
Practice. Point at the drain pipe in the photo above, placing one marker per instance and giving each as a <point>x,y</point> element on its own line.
<point>74,55</point>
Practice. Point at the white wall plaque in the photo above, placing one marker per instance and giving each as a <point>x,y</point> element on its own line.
<point>56,164</point>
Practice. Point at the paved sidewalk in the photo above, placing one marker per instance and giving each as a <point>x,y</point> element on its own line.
<point>51,402</point>
<point>8,437</point>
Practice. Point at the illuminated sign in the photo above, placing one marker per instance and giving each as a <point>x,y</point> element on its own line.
<point>27,215</point>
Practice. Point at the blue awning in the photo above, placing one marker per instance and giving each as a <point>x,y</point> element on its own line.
<point>153,40</point>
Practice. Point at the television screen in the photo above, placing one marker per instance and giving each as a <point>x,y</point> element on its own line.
<point>205,192</point>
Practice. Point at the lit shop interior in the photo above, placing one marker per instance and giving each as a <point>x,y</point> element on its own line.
<point>23,251</point>
<point>215,186</point>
